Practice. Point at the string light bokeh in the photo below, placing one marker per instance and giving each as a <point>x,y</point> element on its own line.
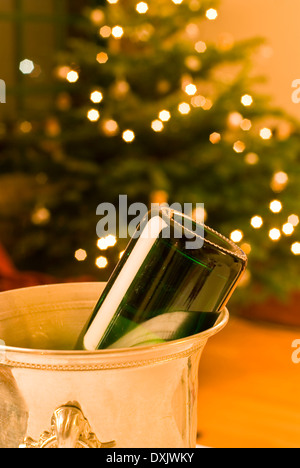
<point>190,100</point>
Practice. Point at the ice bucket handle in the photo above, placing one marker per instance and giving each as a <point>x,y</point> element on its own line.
<point>69,429</point>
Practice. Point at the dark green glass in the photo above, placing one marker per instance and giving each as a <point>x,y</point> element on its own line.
<point>162,289</point>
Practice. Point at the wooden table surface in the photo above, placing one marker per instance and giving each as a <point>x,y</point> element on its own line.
<point>249,388</point>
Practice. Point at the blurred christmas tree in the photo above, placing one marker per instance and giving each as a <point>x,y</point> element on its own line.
<point>145,107</point>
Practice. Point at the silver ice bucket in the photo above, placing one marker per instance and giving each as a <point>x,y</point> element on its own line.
<point>53,397</point>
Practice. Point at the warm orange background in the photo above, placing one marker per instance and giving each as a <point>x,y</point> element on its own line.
<point>249,388</point>
<point>278,22</point>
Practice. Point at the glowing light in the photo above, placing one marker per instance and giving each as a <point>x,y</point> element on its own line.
<point>200,47</point>
<point>93,115</point>
<point>157,126</point>
<point>41,216</point>
<point>239,146</point>
<point>62,72</point>
<point>294,220</point>
<point>191,89</point>
<point>279,181</point>
<point>72,76</point>
<point>96,97</point>
<point>296,248</point>
<point>128,136</point>
<point>193,63</point>
<point>184,108</point>
<point>102,57</point>
<point>102,243</point>
<point>117,32</point>
<point>105,242</point>
<point>25,127</point>
<point>159,197</point>
<point>105,31</point>
<point>288,229</point>
<point>52,127</point>
<point>266,133</point>
<point>192,30</point>
<point>199,215</point>
<point>110,127</point>
<point>247,100</point>
<point>177,2</point>
<point>80,255</point>
<point>26,66</point>
<point>236,236</point>
<point>111,240</point>
<point>142,8</point>
<point>207,105</point>
<point>101,262</point>
<point>164,116</point>
<point>275,206</point>
<point>120,89</point>
<point>211,14</point>
<point>281,178</point>
<point>194,5</point>
<point>251,159</point>
<point>246,125</point>
<point>121,254</point>
<point>257,222</point>
<point>275,234</point>
<point>235,119</point>
<point>246,248</point>
<point>215,138</point>
<point>97,16</point>
<point>112,2</point>
<point>198,101</point>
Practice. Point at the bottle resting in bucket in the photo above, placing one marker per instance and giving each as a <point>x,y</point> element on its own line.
<point>172,281</point>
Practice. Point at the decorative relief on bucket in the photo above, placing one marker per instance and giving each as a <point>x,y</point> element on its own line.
<point>69,429</point>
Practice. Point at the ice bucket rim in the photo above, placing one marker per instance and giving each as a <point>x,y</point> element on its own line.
<point>70,358</point>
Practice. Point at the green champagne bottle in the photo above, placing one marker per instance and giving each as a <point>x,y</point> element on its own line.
<point>173,280</point>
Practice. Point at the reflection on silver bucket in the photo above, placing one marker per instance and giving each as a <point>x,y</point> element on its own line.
<point>53,397</point>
